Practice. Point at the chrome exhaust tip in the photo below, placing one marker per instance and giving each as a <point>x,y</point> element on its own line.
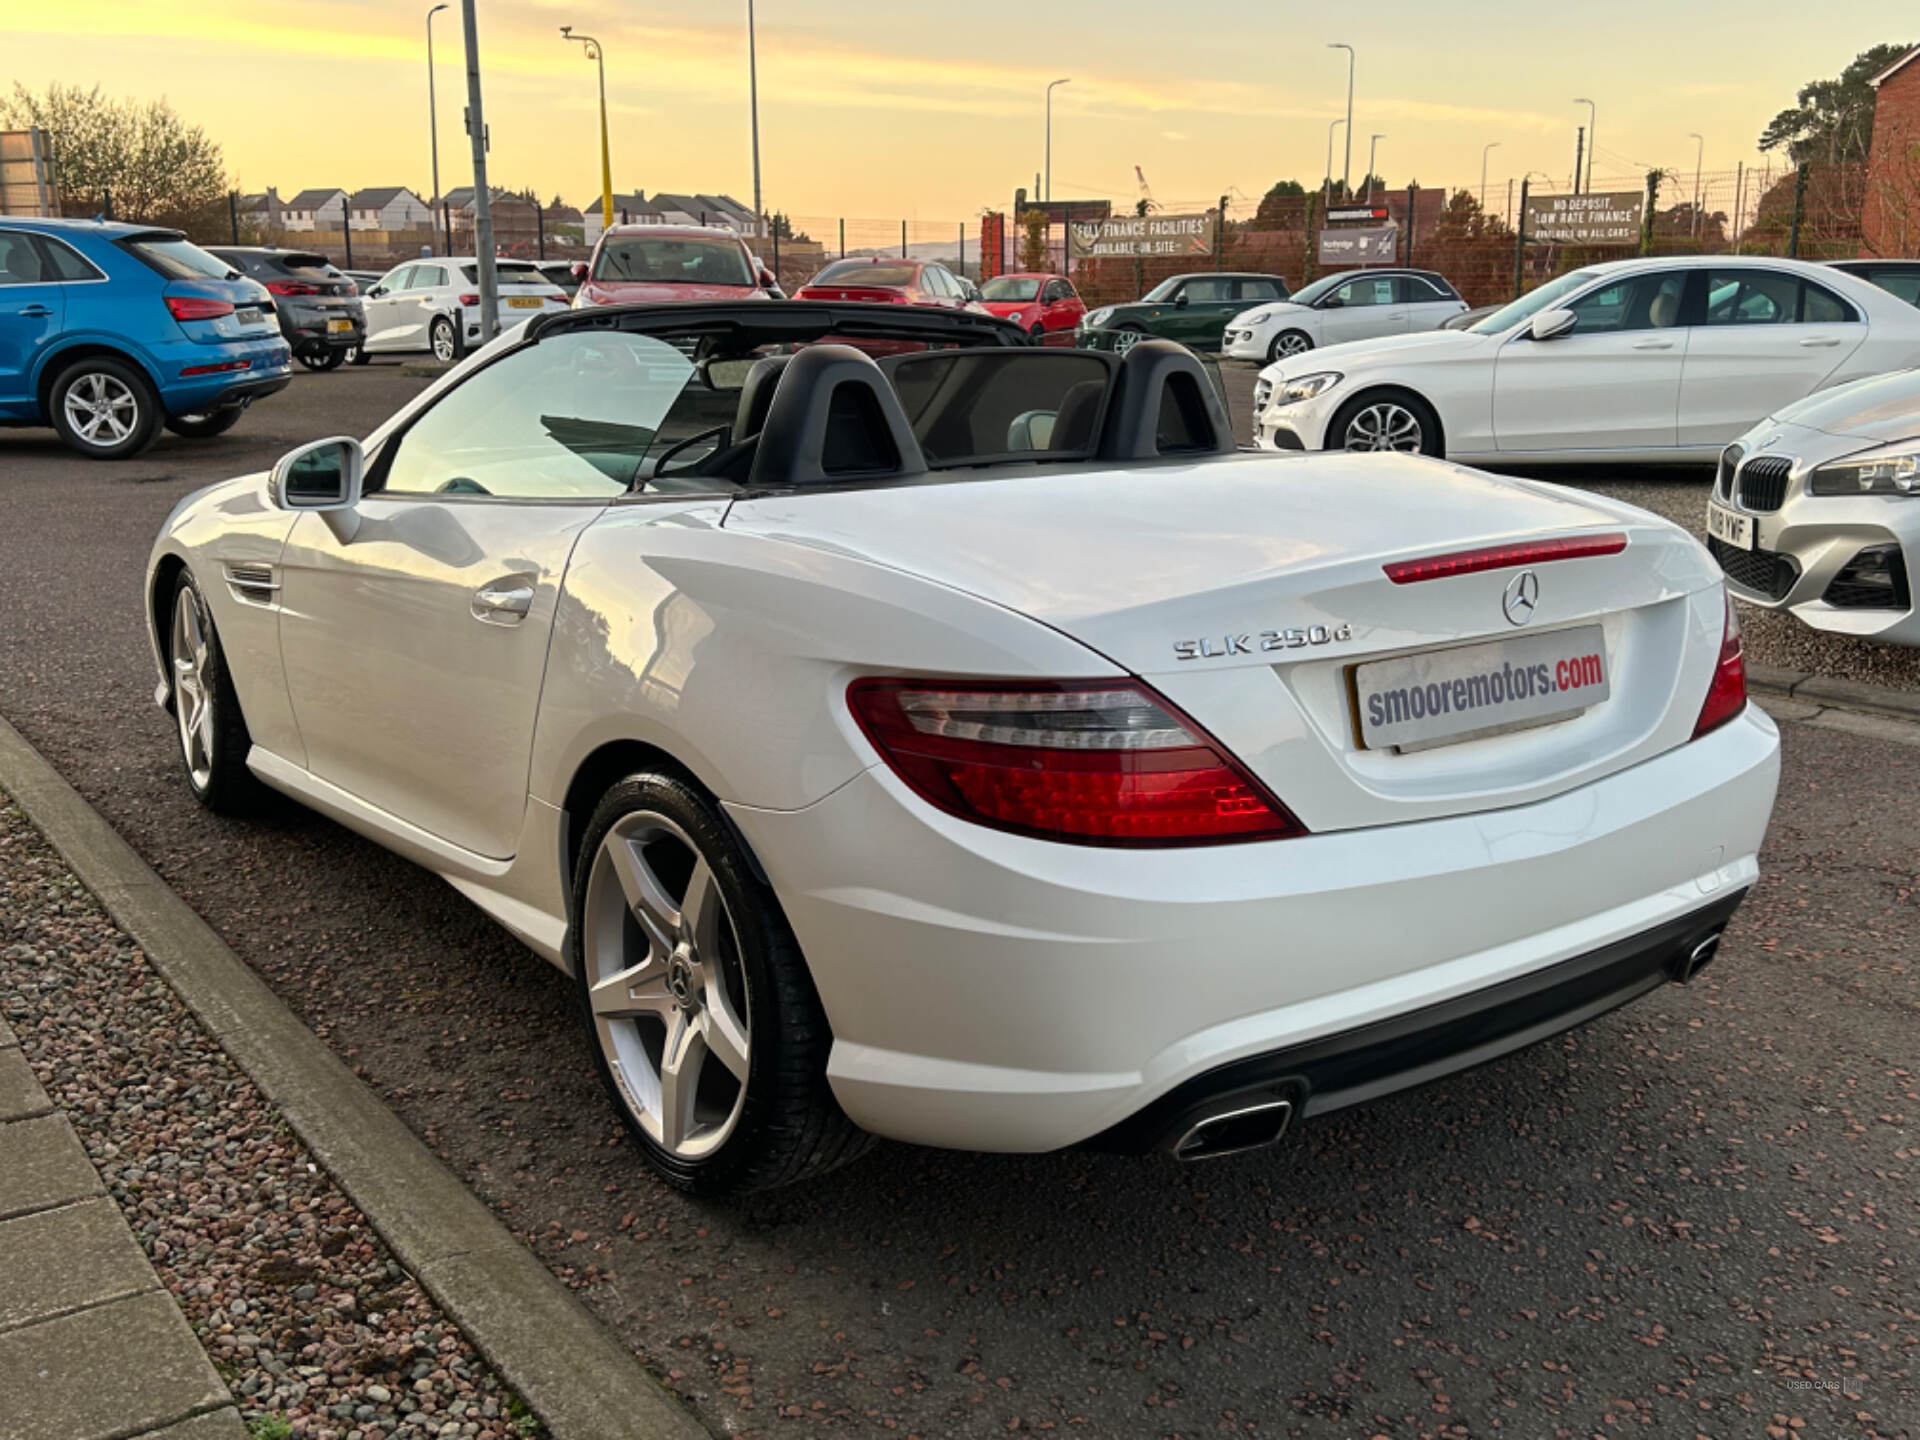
<point>1684,967</point>
<point>1239,1127</point>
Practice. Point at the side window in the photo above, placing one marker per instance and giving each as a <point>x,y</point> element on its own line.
<point>570,418</point>
<point>1901,284</point>
<point>1823,307</point>
<point>394,281</point>
<point>1633,302</point>
<point>1258,289</point>
<point>428,277</point>
<point>20,262</point>
<point>1208,290</point>
<point>1365,292</point>
<point>1418,290</point>
<point>66,263</point>
<point>1058,290</point>
<point>1752,297</point>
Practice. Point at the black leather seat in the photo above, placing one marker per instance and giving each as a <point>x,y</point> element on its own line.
<point>834,420</point>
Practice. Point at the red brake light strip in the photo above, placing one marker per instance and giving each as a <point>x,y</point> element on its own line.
<point>1502,557</point>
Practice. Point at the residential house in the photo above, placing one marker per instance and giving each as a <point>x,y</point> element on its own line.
<point>1890,214</point>
<point>316,210</point>
<point>707,210</point>
<point>266,210</point>
<point>389,207</point>
<point>629,209</point>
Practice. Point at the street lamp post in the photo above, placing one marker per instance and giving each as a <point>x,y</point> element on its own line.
<point>1048,193</point>
<point>433,113</point>
<point>1699,151</point>
<point>1346,167</point>
<point>1326,190</point>
<point>753,110</point>
<point>1593,144</point>
<point>482,196</point>
<point>1373,146</point>
<point>598,56</point>
<point>1484,149</point>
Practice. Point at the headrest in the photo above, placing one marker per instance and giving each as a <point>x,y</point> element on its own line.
<point>834,418</point>
<point>1079,408</point>
<point>1164,404</point>
<point>756,395</point>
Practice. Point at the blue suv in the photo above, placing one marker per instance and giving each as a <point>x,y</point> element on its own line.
<point>108,332</point>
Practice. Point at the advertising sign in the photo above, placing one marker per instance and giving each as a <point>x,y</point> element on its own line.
<point>26,186</point>
<point>1146,236</point>
<point>1611,218</point>
<point>1066,212</point>
<point>1372,245</point>
<point>1357,215</point>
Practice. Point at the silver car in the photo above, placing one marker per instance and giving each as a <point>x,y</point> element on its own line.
<point>1817,509</point>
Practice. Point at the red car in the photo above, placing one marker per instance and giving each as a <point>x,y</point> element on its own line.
<point>1038,303</point>
<point>884,279</point>
<point>669,262</point>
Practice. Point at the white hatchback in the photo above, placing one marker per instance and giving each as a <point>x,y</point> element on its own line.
<point>1353,305</point>
<point>434,305</point>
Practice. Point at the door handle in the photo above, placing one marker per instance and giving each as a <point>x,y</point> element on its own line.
<point>504,602</point>
<point>1820,342</point>
<point>1653,344</point>
<point>36,311</point>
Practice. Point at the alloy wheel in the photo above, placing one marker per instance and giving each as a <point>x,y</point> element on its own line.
<point>1291,343</point>
<point>1385,426</point>
<point>192,692</point>
<point>666,985</point>
<point>443,343</point>
<point>101,409</point>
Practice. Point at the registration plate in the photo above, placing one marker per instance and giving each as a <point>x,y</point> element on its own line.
<point>1731,527</point>
<point>525,302</point>
<point>1441,697</point>
<point>247,315</point>
<point>340,327</point>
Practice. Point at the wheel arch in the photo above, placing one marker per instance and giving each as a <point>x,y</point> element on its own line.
<point>1388,390</point>
<point>161,583</point>
<point>56,361</point>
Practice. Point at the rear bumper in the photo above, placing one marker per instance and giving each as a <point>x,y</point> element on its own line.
<point>992,992</point>
<point>269,369</point>
<point>1438,1040</point>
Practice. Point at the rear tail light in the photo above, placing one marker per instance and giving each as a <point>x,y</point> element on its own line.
<point>469,299</point>
<point>1502,557</point>
<point>1727,695</point>
<point>1096,763</point>
<point>293,287</point>
<point>349,288</point>
<point>193,307</point>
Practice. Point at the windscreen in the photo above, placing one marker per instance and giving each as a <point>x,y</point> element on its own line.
<point>1307,294</point>
<point>972,407</point>
<point>1011,287</point>
<point>673,260</point>
<point>865,272</point>
<point>1164,290</point>
<point>1533,302</point>
<point>178,259</point>
<point>507,272</point>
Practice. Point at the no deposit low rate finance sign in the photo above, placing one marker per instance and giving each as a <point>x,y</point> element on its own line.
<point>1597,219</point>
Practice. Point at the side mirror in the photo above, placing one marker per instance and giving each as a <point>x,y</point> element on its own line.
<point>325,476</point>
<point>767,280</point>
<point>578,270</point>
<point>376,292</point>
<point>1180,301</point>
<point>1333,302</point>
<point>1552,324</point>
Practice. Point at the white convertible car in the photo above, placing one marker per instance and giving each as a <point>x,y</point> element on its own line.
<point>969,746</point>
<point>1658,359</point>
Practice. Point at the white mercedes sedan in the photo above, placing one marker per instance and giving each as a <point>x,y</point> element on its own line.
<point>967,745</point>
<point>1644,360</point>
<point>1816,510</point>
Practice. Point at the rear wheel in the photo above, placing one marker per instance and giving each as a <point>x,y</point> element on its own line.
<point>1393,420</point>
<point>1289,342</point>
<point>206,711</point>
<point>357,355</point>
<point>445,339</point>
<point>206,423</point>
<point>105,408</point>
<point>706,1028</point>
<point>328,359</point>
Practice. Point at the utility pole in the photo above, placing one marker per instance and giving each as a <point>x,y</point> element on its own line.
<point>1373,147</point>
<point>1593,145</point>
<point>482,201</point>
<point>1699,152</point>
<point>1579,153</point>
<point>433,113</point>
<point>753,111</point>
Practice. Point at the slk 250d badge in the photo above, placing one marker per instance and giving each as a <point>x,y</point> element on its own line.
<point>1209,649</point>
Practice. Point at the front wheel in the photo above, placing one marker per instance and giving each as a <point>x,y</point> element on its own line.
<point>1289,342</point>
<point>207,423</point>
<point>1126,337</point>
<point>105,408</point>
<point>1391,421</point>
<point>357,355</point>
<point>445,339</point>
<point>206,711</point>
<point>704,1022</point>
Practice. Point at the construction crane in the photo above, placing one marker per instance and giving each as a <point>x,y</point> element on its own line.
<point>1146,204</point>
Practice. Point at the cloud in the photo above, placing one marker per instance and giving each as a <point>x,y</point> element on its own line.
<point>1174,135</point>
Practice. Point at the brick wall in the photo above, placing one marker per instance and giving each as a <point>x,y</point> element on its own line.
<point>1890,213</point>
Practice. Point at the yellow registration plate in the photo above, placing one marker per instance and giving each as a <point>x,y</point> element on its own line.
<point>340,327</point>
<point>525,302</point>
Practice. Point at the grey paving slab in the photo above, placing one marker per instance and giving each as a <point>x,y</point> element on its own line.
<point>57,1261</point>
<point>20,1093</point>
<point>1870,697</point>
<point>7,1037</point>
<point>215,1425</point>
<point>42,1165</point>
<point>115,1370</point>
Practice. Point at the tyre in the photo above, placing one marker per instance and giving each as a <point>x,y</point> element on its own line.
<point>356,355</point>
<point>328,359</point>
<point>704,1024</point>
<point>444,337</point>
<point>207,423</point>
<point>206,711</point>
<point>1039,333</point>
<point>105,408</point>
<point>1289,342</point>
<point>1386,420</point>
<point>1126,337</point>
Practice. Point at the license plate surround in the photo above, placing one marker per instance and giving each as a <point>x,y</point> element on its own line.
<point>525,302</point>
<point>1731,527</point>
<point>1463,679</point>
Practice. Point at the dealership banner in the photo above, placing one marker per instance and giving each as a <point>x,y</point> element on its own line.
<point>1611,218</point>
<point>1369,245</point>
<point>1144,236</point>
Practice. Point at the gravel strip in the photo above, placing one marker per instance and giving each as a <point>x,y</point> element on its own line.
<point>314,1327</point>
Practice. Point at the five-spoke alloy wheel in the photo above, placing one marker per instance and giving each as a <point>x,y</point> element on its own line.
<point>105,408</point>
<point>206,711</point>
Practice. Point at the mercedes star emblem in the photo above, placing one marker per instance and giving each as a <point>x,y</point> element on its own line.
<point>1523,594</point>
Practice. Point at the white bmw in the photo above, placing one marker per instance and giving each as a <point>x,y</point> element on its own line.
<point>1653,359</point>
<point>972,748</point>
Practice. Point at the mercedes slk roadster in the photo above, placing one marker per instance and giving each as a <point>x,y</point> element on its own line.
<point>969,746</point>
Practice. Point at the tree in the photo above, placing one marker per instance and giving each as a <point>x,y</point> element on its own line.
<point>158,169</point>
<point>1281,205</point>
<point>780,225</point>
<point>1033,240</point>
<point>1833,119</point>
<point>1463,219</point>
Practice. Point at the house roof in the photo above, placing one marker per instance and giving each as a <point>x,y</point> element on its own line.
<point>260,202</point>
<point>314,199</point>
<point>379,196</point>
<point>1895,67</point>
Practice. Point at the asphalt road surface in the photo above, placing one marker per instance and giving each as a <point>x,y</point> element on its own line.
<point>1696,1216</point>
